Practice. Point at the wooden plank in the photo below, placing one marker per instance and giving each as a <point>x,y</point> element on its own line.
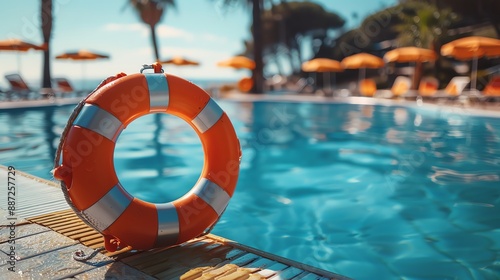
<point>74,231</point>
<point>88,236</point>
<point>74,225</point>
<point>48,218</point>
<point>259,264</point>
<point>201,257</point>
<point>272,270</point>
<point>287,273</point>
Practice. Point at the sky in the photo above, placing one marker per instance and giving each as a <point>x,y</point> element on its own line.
<point>201,30</point>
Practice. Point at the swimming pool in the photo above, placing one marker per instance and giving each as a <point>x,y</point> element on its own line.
<point>391,192</point>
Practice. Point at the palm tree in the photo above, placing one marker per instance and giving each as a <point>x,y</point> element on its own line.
<point>423,25</point>
<point>151,12</point>
<point>46,20</point>
<point>287,25</point>
<point>257,8</point>
<point>258,72</point>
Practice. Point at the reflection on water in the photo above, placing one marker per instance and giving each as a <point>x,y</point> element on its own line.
<point>356,189</point>
<point>158,158</point>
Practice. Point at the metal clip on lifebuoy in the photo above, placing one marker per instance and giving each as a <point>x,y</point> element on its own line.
<point>155,66</point>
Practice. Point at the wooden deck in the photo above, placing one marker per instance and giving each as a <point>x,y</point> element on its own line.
<point>47,233</point>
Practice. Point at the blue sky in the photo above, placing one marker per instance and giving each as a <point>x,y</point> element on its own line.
<point>201,30</point>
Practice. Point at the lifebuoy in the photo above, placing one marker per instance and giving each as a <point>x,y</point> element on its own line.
<point>84,162</point>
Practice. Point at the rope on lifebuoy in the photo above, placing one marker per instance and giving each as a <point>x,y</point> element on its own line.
<point>81,257</point>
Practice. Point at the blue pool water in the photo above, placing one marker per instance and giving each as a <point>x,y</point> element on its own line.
<point>367,191</point>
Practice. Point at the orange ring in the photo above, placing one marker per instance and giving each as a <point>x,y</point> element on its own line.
<point>93,186</point>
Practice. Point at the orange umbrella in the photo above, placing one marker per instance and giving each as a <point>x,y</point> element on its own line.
<point>238,62</point>
<point>410,54</point>
<point>180,61</point>
<point>19,46</point>
<point>82,55</point>
<point>362,61</point>
<point>324,65</point>
<point>245,84</point>
<point>472,47</point>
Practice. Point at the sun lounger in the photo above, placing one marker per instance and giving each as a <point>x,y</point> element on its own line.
<point>453,91</point>
<point>303,85</point>
<point>64,87</point>
<point>428,87</point>
<point>367,87</point>
<point>493,87</point>
<point>5,95</point>
<point>456,86</point>
<point>401,87</point>
<point>18,87</point>
<point>21,90</point>
<point>245,84</point>
<point>491,91</point>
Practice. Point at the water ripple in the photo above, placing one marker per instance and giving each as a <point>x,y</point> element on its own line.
<point>445,176</point>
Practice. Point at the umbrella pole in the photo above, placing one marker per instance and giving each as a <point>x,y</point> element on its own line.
<point>18,63</point>
<point>362,75</point>
<point>315,80</point>
<point>327,83</point>
<point>414,77</point>
<point>474,74</point>
<point>83,76</point>
<point>334,80</point>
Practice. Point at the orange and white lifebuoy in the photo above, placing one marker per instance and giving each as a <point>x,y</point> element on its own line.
<point>84,162</point>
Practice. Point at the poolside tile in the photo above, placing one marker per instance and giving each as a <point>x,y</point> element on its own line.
<point>116,270</point>
<point>58,264</point>
<point>258,264</point>
<point>244,259</point>
<point>272,269</point>
<point>287,273</point>
<point>5,218</point>
<point>36,244</point>
<point>21,231</point>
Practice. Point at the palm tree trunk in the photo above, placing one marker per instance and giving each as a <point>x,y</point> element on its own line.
<point>46,19</point>
<point>258,72</point>
<point>155,43</point>
<point>417,75</point>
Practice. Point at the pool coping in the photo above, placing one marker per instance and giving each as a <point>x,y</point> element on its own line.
<point>482,109</point>
<point>477,109</point>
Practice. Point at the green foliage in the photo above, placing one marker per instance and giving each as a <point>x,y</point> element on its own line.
<point>148,17</point>
<point>286,24</point>
<point>423,24</point>
<point>297,19</point>
<point>151,12</point>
